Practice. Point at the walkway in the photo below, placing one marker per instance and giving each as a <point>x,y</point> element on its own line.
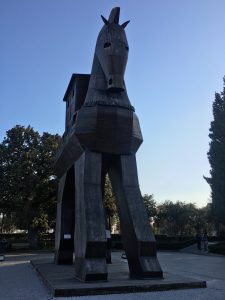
<point>19,281</point>
<point>194,250</point>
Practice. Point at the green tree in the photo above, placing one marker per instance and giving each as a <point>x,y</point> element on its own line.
<point>27,182</point>
<point>109,204</point>
<point>150,206</point>
<point>216,157</point>
<point>176,218</point>
<point>203,220</point>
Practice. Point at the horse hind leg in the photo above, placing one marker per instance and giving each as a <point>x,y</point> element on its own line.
<point>64,235</point>
<point>137,237</point>
<point>90,236</point>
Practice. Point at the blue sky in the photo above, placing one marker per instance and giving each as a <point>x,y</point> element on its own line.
<point>176,63</point>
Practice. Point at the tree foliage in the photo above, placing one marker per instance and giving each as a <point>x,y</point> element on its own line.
<point>27,182</point>
<point>28,190</point>
<point>109,203</point>
<point>172,216</point>
<point>150,206</point>
<point>216,157</point>
<point>181,218</point>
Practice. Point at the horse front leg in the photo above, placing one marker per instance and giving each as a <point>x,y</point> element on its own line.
<point>137,237</point>
<point>90,236</point>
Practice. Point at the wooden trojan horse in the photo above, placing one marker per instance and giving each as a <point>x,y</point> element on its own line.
<point>102,136</point>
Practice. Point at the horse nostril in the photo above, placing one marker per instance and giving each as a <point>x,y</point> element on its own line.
<point>110,81</point>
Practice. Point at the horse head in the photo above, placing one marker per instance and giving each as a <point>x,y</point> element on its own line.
<point>106,122</point>
<point>112,51</point>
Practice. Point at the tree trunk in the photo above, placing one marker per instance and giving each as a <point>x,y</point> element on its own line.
<point>33,238</point>
<point>217,225</point>
<point>2,223</point>
<point>109,224</point>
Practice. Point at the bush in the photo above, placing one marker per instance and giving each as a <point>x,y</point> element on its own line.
<point>19,241</point>
<point>14,237</point>
<point>46,244</point>
<point>116,237</point>
<point>163,242</point>
<point>218,248</point>
<point>216,238</point>
<point>174,244</point>
<point>163,237</point>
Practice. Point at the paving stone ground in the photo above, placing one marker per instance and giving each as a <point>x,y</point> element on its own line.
<point>19,281</point>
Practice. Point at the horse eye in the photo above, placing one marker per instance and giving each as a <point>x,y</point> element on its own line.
<point>127,48</point>
<point>106,45</point>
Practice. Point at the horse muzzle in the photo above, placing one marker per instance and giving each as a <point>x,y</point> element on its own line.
<point>115,83</point>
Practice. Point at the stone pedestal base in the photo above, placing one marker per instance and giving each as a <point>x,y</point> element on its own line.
<point>61,281</point>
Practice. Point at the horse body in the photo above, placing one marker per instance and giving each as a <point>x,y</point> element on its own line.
<point>106,137</point>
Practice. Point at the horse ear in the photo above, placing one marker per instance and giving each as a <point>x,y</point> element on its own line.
<point>104,20</point>
<point>125,24</point>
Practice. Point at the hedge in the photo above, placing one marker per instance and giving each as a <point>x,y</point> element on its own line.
<point>163,242</point>
<point>14,237</point>
<point>174,244</point>
<point>218,248</point>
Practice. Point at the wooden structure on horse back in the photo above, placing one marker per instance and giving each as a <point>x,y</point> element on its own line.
<point>102,136</point>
